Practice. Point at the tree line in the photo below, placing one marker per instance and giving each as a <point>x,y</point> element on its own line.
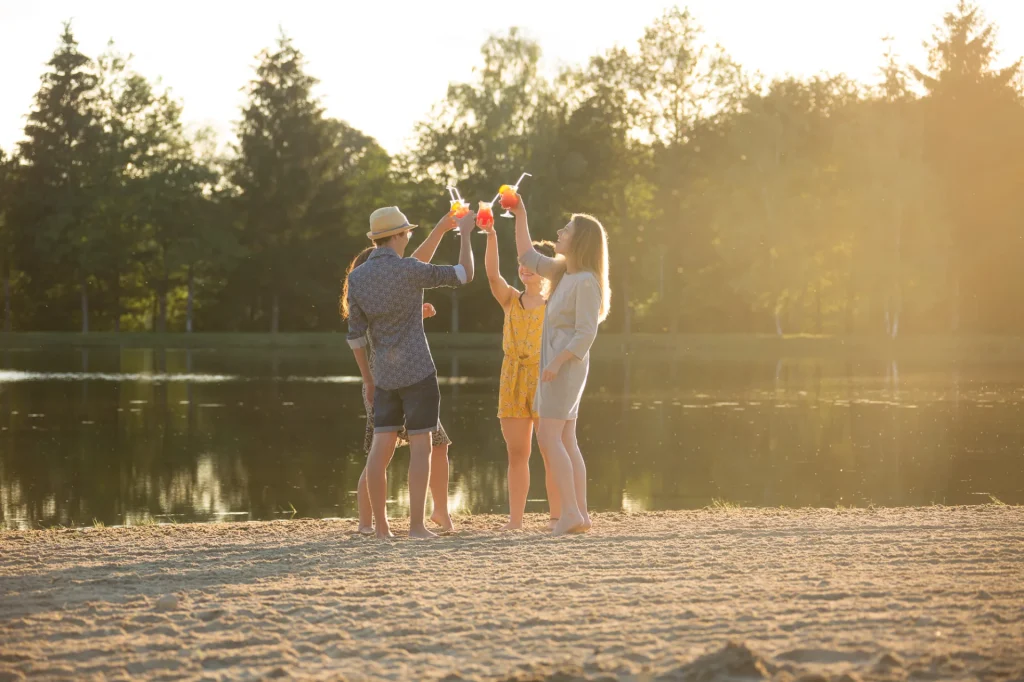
<point>733,203</point>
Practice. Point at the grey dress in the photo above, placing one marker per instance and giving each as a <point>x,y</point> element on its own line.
<point>570,323</point>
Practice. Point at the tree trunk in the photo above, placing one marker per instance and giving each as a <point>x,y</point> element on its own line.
<point>7,299</point>
<point>954,323</point>
<point>897,310</point>
<point>670,308</point>
<point>898,303</point>
<point>817,309</point>
<point>115,287</point>
<point>455,311</point>
<point>275,313</point>
<point>661,275</point>
<point>84,286</point>
<point>161,307</point>
<point>850,305</point>
<point>188,306</point>
<point>627,310</point>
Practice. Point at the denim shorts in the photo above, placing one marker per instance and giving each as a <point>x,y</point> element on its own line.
<point>415,407</point>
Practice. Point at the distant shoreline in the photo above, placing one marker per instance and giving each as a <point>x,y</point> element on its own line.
<point>944,348</point>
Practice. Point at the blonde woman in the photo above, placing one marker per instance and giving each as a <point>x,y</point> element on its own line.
<point>520,372</point>
<point>578,303</point>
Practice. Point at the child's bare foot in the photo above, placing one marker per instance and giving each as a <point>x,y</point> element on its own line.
<point>421,534</point>
<point>513,525</point>
<point>443,520</point>
<point>571,522</point>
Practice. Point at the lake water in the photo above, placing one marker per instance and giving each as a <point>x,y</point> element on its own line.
<point>133,436</point>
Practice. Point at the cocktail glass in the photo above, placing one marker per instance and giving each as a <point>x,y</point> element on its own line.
<point>509,198</point>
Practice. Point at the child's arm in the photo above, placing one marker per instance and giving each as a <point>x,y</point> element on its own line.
<point>500,289</point>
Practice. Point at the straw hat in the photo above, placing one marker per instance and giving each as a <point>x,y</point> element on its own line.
<point>387,222</point>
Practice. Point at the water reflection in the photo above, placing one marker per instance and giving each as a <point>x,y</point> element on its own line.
<point>201,435</point>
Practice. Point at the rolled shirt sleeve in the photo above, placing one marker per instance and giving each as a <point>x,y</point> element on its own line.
<point>548,268</point>
<point>588,310</point>
<point>428,276</point>
<point>357,324</point>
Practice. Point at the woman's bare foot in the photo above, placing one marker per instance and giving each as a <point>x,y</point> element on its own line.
<point>366,530</point>
<point>421,534</point>
<point>588,523</point>
<point>384,532</point>
<point>513,525</point>
<point>443,520</point>
<point>552,522</point>
<point>571,522</point>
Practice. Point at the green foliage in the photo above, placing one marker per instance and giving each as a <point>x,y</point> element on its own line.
<point>815,205</point>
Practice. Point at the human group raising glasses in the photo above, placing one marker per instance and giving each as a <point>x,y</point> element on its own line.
<point>550,324</point>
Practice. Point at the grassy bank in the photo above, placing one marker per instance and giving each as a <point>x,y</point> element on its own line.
<point>711,346</point>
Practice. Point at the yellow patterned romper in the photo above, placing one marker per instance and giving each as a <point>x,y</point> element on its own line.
<point>520,370</point>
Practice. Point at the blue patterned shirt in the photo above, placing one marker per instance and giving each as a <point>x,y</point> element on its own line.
<point>385,299</point>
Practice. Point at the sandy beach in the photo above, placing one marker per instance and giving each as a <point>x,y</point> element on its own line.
<point>876,594</point>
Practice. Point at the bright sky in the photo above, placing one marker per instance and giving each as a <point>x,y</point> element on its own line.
<point>383,63</point>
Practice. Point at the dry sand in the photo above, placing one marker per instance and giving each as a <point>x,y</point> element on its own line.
<point>918,594</point>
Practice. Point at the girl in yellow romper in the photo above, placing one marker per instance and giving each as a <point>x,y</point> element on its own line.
<point>520,371</point>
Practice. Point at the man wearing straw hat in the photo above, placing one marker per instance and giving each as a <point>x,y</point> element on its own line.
<point>385,298</point>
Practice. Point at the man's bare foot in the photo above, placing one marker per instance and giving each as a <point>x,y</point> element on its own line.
<point>443,520</point>
<point>513,525</point>
<point>421,534</point>
<point>571,522</point>
<point>366,530</point>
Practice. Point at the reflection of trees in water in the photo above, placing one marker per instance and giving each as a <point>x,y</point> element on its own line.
<point>477,455</point>
<point>795,433</point>
<point>127,446</point>
<point>827,434</point>
<point>838,438</point>
<point>53,463</point>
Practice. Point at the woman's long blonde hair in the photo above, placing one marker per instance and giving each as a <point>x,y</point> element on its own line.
<point>588,251</point>
<point>356,262</point>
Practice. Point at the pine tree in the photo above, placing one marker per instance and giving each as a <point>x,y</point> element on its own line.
<point>7,170</point>
<point>284,164</point>
<point>974,127</point>
<point>60,160</point>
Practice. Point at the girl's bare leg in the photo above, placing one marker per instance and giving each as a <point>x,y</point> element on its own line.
<point>518,435</point>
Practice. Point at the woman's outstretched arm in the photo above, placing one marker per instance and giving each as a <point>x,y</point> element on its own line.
<point>524,243</point>
<point>531,258</point>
